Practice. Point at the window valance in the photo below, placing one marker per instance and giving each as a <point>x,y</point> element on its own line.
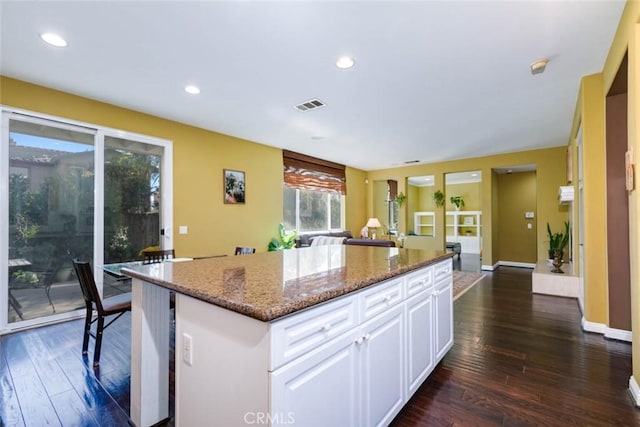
<point>310,173</point>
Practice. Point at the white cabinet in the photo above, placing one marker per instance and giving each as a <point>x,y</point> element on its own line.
<point>359,378</point>
<point>382,352</point>
<point>443,316</point>
<point>424,223</point>
<point>420,351</point>
<point>352,361</point>
<point>328,379</point>
<point>465,227</point>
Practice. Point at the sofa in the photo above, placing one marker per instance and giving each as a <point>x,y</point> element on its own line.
<point>342,237</point>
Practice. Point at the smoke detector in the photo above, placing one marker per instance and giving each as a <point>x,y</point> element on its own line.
<point>538,67</point>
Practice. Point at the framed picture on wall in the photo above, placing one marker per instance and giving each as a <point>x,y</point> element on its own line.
<point>234,187</point>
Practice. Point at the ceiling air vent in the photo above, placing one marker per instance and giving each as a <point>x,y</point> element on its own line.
<point>311,104</point>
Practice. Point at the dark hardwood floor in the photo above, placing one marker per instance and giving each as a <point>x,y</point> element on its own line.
<point>518,359</point>
<point>522,359</point>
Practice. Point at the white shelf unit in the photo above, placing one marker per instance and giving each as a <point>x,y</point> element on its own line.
<point>465,227</point>
<point>424,223</point>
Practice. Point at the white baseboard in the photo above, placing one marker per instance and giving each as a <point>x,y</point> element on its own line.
<point>634,390</point>
<point>598,328</point>
<point>618,334</point>
<point>507,264</point>
<point>517,264</point>
<point>609,333</point>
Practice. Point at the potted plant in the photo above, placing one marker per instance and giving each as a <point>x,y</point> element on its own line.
<point>558,241</point>
<point>458,201</point>
<point>400,199</point>
<point>287,240</point>
<point>438,197</point>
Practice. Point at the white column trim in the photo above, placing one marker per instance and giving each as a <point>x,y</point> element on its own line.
<point>149,353</point>
<point>634,389</point>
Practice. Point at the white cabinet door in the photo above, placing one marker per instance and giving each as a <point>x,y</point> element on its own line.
<point>443,302</point>
<point>420,353</point>
<point>382,350</point>
<point>327,378</point>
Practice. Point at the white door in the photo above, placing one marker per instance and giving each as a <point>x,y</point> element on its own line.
<point>328,379</point>
<point>419,339</point>
<point>382,367</point>
<point>443,304</point>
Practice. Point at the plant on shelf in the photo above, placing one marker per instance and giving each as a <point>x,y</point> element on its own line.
<point>400,199</point>
<point>558,241</point>
<point>438,197</point>
<point>458,201</point>
<point>287,240</point>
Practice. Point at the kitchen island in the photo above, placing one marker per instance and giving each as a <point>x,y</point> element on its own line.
<point>279,338</point>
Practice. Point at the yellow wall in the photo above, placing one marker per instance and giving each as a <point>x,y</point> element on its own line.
<point>199,158</point>
<point>594,194</point>
<point>551,174</point>
<point>628,38</point>
<point>590,115</point>
<point>517,195</point>
<point>470,193</point>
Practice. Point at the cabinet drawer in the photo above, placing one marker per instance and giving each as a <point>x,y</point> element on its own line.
<point>301,333</point>
<point>418,281</point>
<point>443,270</point>
<point>380,298</point>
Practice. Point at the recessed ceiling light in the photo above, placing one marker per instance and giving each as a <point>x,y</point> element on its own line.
<point>54,39</point>
<point>317,137</point>
<point>193,90</point>
<point>345,62</point>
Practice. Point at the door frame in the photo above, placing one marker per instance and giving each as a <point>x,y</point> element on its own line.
<point>100,132</point>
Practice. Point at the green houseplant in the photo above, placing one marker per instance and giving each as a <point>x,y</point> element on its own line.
<point>558,241</point>
<point>458,201</point>
<point>286,240</point>
<point>438,197</point>
<point>400,199</point>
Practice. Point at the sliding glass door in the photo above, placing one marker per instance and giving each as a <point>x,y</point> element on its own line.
<point>74,191</point>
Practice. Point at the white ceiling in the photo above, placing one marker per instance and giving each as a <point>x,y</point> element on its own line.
<point>433,81</point>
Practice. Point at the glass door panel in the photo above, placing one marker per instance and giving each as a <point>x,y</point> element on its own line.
<point>51,203</point>
<point>132,177</point>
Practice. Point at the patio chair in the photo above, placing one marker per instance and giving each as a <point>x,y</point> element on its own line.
<point>152,257</point>
<point>116,305</point>
<point>244,251</point>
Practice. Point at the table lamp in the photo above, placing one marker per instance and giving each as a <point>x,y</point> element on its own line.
<point>373,223</point>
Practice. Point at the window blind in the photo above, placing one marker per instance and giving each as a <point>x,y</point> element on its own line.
<point>310,173</point>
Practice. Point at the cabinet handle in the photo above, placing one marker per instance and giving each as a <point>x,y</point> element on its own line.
<point>326,327</point>
<point>359,340</point>
<point>387,299</point>
<point>366,337</point>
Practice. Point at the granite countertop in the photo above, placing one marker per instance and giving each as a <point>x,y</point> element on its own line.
<point>267,286</point>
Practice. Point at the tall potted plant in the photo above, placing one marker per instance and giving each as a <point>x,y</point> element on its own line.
<point>558,241</point>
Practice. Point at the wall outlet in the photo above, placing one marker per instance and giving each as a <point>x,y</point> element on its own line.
<point>183,229</point>
<point>187,349</point>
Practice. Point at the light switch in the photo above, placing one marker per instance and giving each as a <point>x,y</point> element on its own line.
<point>529,225</point>
<point>528,214</point>
<point>183,229</point>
